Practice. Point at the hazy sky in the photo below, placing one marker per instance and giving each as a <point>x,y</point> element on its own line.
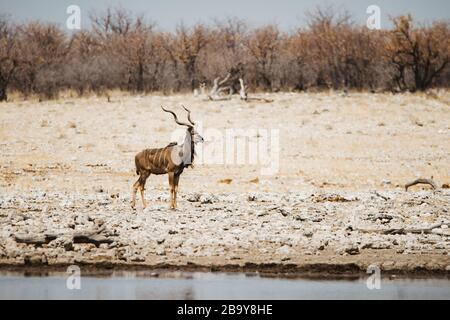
<point>168,13</point>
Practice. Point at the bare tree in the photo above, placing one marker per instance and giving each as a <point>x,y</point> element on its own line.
<point>134,43</point>
<point>42,51</point>
<point>263,45</point>
<point>184,49</point>
<point>297,49</point>
<point>8,60</point>
<point>113,22</point>
<point>422,52</point>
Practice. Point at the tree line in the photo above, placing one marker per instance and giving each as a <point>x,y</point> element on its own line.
<point>123,51</point>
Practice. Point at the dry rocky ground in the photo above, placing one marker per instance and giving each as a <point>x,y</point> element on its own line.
<point>336,204</point>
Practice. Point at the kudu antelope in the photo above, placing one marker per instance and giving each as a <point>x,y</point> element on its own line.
<point>171,160</point>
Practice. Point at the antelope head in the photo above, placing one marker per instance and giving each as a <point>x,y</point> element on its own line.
<point>191,133</point>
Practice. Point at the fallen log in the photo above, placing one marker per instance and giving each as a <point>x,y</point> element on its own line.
<point>381,196</point>
<point>96,239</point>
<point>403,231</point>
<point>244,95</point>
<point>421,181</point>
<point>35,239</point>
<point>218,88</point>
<point>93,236</point>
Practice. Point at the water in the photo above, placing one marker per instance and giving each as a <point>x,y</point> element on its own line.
<point>132,285</point>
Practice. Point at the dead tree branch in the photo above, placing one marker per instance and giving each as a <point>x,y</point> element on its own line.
<point>244,95</point>
<point>403,231</point>
<point>93,236</point>
<point>218,88</point>
<point>421,181</point>
<point>35,239</point>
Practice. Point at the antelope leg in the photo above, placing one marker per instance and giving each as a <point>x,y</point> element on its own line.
<point>176,180</point>
<point>133,194</point>
<point>144,204</point>
<point>172,189</point>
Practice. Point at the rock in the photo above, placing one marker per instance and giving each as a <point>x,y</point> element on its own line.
<point>308,234</point>
<point>99,222</point>
<point>113,245</point>
<point>104,202</point>
<point>35,258</point>
<point>262,214</point>
<point>332,198</point>
<point>206,199</point>
<point>195,197</point>
<point>382,217</point>
<point>284,250</point>
<point>66,203</point>
<point>81,219</point>
<point>67,244</point>
<point>122,254</point>
<point>441,246</point>
<point>284,211</point>
<point>137,258</point>
<point>322,245</point>
<point>160,251</point>
<point>377,245</point>
<point>102,257</point>
<point>388,265</point>
<point>349,249</point>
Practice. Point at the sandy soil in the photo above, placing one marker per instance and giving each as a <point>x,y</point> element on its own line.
<point>67,166</point>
